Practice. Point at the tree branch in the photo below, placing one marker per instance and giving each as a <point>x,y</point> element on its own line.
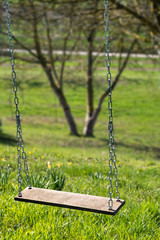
<point>146,20</point>
<point>104,95</point>
<point>36,37</point>
<point>21,45</point>
<point>65,46</point>
<point>50,49</point>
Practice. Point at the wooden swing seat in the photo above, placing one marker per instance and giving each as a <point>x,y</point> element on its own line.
<point>70,200</point>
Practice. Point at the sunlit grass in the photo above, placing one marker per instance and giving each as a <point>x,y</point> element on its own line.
<point>83,161</point>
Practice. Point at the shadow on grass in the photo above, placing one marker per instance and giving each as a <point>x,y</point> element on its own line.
<point>96,142</point>
<point>142,148</point>
<point>7,139</point>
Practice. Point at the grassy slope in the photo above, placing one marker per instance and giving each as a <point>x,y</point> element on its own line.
<point>136,111</point>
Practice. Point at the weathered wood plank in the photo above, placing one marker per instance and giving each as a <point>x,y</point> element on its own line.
<point>77,201</point>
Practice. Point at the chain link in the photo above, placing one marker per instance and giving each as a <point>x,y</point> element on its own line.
<point>112,155</point>
<point>20,145</point>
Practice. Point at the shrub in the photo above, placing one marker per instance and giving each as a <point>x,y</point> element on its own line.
<point>52,179</point>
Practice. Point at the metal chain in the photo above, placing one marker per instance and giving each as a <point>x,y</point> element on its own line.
<point>20,144</point>
<point>112,154</point>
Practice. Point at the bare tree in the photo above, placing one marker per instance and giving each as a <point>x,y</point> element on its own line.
<point>38,18</point>
<point>39,21</point>
<point>92,23</point>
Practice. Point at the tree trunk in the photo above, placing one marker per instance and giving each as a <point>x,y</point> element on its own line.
<point>90,98</point>
<point>67,112</point>
<point>90,121</point>
<point>88,129</point>
<point>64,104</point>
<point>90,107</point>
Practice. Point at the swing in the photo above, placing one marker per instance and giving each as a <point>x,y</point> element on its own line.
<point>70,200</point>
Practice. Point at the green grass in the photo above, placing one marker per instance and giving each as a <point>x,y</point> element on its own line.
<point>83,161</point>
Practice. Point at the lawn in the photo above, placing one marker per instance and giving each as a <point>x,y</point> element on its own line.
<point>83,161</point>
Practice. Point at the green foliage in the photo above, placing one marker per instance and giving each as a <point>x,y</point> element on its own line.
<point>52,179</point>
<point>98,176</point>
<point>57,179</point>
